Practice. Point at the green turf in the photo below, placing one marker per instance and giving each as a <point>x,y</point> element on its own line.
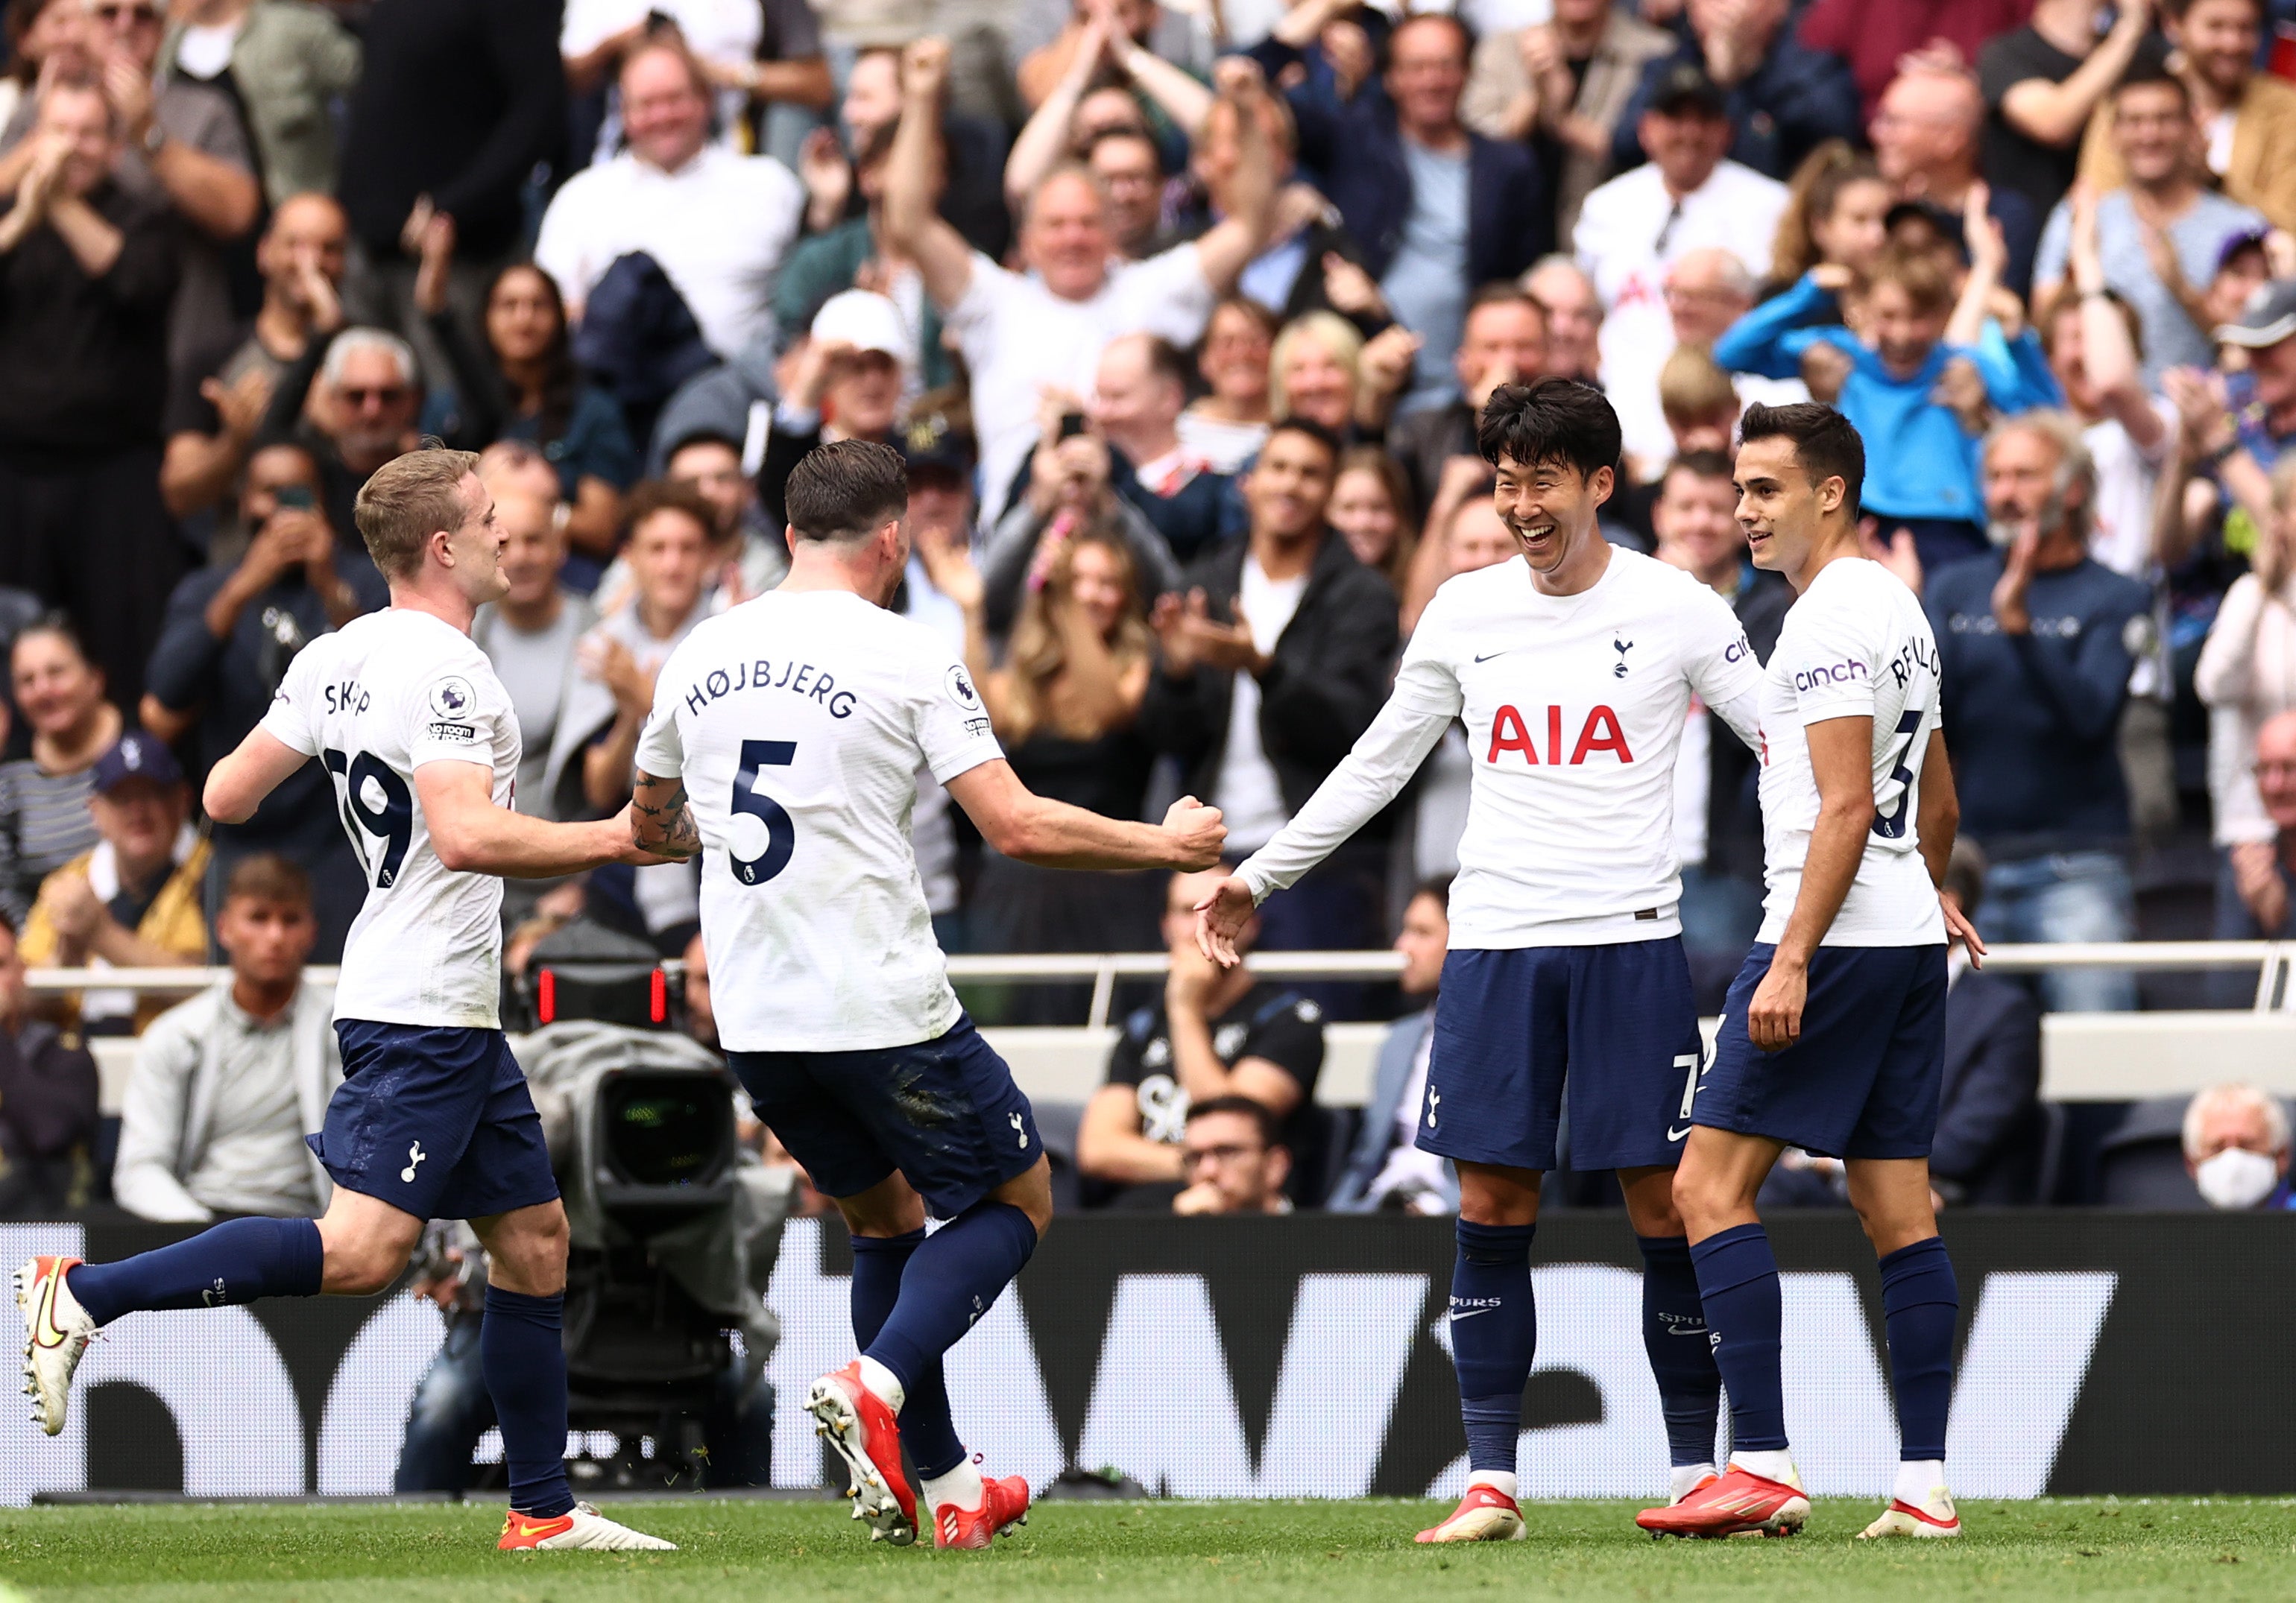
<point>1105,1552</point>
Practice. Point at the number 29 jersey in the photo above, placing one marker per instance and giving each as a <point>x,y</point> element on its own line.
<point>1855,644</point>
<point>797,722</point>
<point>376,700</point>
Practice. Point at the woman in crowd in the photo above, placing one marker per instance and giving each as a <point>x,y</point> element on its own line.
<point>1322,368</point>
<point>1225,428</point>
<point>2246,674</point>
<point>525,387</point>
<point>1835,215</point>
<point>36,29</point>
<point>1371,508</point>
<point>1063,703</point>
<point>43,813</point>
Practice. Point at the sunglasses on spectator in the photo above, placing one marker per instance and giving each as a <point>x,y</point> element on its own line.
<point>382,395</point>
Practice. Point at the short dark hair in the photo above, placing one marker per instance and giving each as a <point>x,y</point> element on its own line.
<point>2153,74</point>
<point>1504,292</point>
<point>1550,420</point>
<point>1314,430</point>
<point>1244,1107</point>
<point>1437,886</point>
<point>1697,464</point>
<point>1168,361</point>
<point>268,876</point>
<point>1825,444</point>
<point>654,496</point>
<point>701,436</point>
<point>845,489</point>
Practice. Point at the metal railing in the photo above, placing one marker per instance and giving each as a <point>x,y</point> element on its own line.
<point>2273,961</point>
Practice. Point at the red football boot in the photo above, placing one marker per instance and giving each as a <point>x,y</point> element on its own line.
<point>1736,1503</point>
<point>866,1436</point>
<point>1004,1504</point>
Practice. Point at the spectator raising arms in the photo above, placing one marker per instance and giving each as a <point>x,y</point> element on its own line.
<point>2042,81</point>
<point>43,813</point>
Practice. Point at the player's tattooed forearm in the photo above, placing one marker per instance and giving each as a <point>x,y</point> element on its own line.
<point>666,827</point>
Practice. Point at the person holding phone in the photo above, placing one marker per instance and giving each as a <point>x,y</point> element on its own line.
<point>231,630</point>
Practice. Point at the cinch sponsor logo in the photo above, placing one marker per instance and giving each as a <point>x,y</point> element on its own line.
<point>1848,671</point>
<point>1600,731</point>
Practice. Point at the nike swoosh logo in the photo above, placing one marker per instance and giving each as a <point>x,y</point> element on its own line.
<point>1470,1314</point>
<point>44,1324</point>
<point>1673,1134</point>
<point>1488,655</point>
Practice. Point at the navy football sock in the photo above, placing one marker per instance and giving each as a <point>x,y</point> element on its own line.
<point>948,1283</point>
<point>238,1261</point>
<point>926,1428</point>
<point>1920,1303</point>
<point>1494,1337</point>
<point>1681,1357</point>
<point>1738,1284</point>
<point>523,1358</point>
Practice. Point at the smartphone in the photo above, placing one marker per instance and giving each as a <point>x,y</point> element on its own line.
<point>295,497</point>
<point>1072,424</point>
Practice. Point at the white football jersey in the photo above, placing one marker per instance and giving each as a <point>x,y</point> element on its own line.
<point>1574,707</point>
<point>798,722</point>
<point>375,700</point>
<point>1855,644</point>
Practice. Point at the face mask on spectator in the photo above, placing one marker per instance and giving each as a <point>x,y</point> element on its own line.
<point>2236,1179</point>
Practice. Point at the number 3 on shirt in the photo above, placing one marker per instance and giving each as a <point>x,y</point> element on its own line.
<point>393,822</point>
<point>1893,827</point>
<point>780,831</point>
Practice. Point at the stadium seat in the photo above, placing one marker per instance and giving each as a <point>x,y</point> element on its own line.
<point>2142,1163</point>
<point>1056,1127</point>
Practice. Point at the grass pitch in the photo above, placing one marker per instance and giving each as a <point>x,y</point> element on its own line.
<point>1167,1552</point>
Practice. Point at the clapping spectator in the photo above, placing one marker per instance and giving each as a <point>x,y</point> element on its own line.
<point>2236,1149</point>
<point>284,66</point>
<point>37,29</point>
<point>1123,29</point>
<point>671,533</point>
<point>2035,643</point>
<point>716,222</point>
<point>1105,38</point>
<point>48,1095</point>
<point>768,56</point>
<point>1502,341</point>
<point>852,254</point>
<point>1321,368</point>
<point>134,900</point>
<point>1216,1033</point>
<point>2042,81</point>
<point>2159,237</point>
<point>230,633</point>
<point>43,813</point>
<point>1784,98</point>
<point>1268,669</point>
<point>1689,196</point>
<point>216,409</point>
<point>1020,334</point>
<point>1387,1170</point>
<point>87,272</point>
<point>455,104</point>
<point>2249,115</point>
<point>226,1082</point>
<point>179,146</point>
<point>1437,208</point>
<point>1563,85</point>
<point>1063,702</point>
<point>523,385</point>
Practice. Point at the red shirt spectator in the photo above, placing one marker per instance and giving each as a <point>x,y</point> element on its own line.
<point>1872,37</point>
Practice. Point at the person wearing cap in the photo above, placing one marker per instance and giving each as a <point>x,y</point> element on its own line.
<point>717,221</point>
<point>1689,196</point>
<point>1783,99</point>
<point>2248,116</point>
<point>848,381</point>
<point>2152,133</point>
<point>133,902</point>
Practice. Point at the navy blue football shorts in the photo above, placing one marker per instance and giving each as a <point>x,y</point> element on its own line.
<point>434,1121</point>
<point>1611,1027</point>
<point>1861,1081</point>
<point>945,1112</point>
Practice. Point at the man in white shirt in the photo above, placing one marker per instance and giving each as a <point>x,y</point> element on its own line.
<point>1686,197</point>
<point>1022,333</point>
<point>717,223</point>
<point>433,1119</point>
<point>1832,1038</point>
<point>784,744</point>
<point>1573,669</point>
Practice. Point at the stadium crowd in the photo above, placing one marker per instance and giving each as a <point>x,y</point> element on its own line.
<point>1182,317</point>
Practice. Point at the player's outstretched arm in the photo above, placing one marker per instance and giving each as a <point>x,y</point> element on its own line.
<point>472,836</point>
<point>1841,759</point>
<point>660,819</point>
<point>1050,834</point>
<point>237,785</point>
<point>1938,818</point>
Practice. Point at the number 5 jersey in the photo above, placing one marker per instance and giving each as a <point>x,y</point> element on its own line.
<point>375,701</point>
<point>798,721</point>
<point>1855,644</point>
